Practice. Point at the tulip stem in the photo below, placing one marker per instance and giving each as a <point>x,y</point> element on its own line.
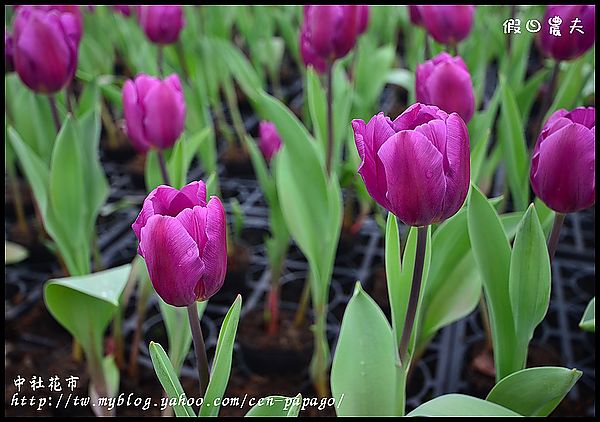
<point>199,348</point>
<point>427,47</point>
<point>54,111</point>
<point>415,290</point>
<point>559,219</point>
<point>160,60</point>
<point>329,116</point>
<point>163,166</point>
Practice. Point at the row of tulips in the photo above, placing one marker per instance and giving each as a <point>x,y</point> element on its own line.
<point>421,167</point>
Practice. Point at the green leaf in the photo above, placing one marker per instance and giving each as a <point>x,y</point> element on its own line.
<point>111,372</point>
<point>529,279</point>
<point>492,255</point>
<point>277,406</point>
<point>588,320</point>
<point>219,375</point>
<point>569,86</point>
<point>454,286</point>
<point>84,306</point>
<point>364,365</point>
<point>460,405</point>
<point>168,379</point>
<point>14,253</point>
<point>511,134</point>
<point>534,391</point>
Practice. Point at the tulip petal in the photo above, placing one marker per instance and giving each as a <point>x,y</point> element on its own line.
<point>196,192</point>
<point>416,115</point>
<point>134,118</point>
<point>458,170</point>
<point>415,179</point>
<point>194,221</point>
<point>563,175</point>
<point>450,88</point>
<point>172,259</point>
<point>215,250</point>
<point>585,116</point>
<point>163,122</point>
<point>368,139</point>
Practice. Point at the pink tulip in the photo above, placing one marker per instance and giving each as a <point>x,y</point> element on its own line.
<point>162,24</point>
<point>570,44</point>
<point>182,238</point>
<point>45,43</point>
<point>447,24</point>
<point>416,166</point>
<point>445,82</point>
<point>270,142</point>
<point>154,111</point>
<point>563,166</point>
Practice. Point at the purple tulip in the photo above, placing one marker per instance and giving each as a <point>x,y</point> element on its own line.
<point>162,24</point>
<point>183,241</point>
<point>445,82</point>
<point>270,142</point>
<point>45,44</point>
<point>329,33</point>
<point>570,44</point>
<point>125,10</point>
<point>563,166</point>
<point>416,166</point>
<point>447,24</point>
<point>415,15</point>
<point>154,111</point>
<point>9,64</point>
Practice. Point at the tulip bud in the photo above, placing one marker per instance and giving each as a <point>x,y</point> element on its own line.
<point>571,43</point>
<point>9,65</point>
<point>416,166</point>
<point>563,165</point>
<point>329,33</point>
<point>270,142</point>
<point>154,111</point>
<point>162,24</point>
<point>445,82</point>
<point>447,24</point>
<point>183,241</point>
<point>45,44</point>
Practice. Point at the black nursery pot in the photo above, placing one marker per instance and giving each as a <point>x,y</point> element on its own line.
<point>287,352</point>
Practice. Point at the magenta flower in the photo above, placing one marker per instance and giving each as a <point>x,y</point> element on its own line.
<point>447,24</point>
<point>416,166</point>
<point>270,142</point>
<point>329,33</point>
<point>162,24</point>
<point>445,82</point>
<point>563,165</point>
<point>183,241</point>
<point>45,44</point>
<point>570,44</point>
<point>154,111</point>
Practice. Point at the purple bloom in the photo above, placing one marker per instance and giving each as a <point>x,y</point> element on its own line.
<point>270,142</point>
<point>416,166</point>
<point>162,24</point>
<point>447,24</point>
<point>154,111</point>
<point>45,43</point>
<point>183,241</point>
<point>569,45</point>
<point>563,165</point>
<point>445,82</point>
<point>329,32</point>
